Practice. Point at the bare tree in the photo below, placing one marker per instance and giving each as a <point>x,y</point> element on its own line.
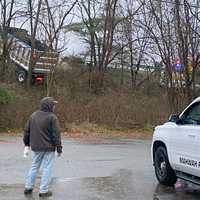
<point>174,33</point>
<point>34,20</point>
<point>6,17</point>
<point>136,37</point>
<point>161,30</point>
<point>100,20</point>
<point>187,28</point>
<point>99,30</point>
<point>53,19</point>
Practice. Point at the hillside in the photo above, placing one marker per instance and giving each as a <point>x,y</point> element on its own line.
<point>116,108</point>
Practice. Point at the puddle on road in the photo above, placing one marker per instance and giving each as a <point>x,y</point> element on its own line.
<point>119,186</point>
<point>169,193</point>
<point>122,185</point>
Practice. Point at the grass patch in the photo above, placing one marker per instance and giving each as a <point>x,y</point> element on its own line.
<point>5,97</point>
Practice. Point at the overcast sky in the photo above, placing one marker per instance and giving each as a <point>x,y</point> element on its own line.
<point>73,44</point>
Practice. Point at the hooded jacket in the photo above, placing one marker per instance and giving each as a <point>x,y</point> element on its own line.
<point>42,131</point>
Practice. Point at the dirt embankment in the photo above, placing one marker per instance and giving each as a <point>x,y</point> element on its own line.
<point>95,132</point>
<point>91,131</point>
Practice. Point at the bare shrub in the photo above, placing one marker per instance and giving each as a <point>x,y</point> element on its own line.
<point>113,108</point>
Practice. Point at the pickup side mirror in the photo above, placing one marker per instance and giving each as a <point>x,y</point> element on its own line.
<point>174,118</point>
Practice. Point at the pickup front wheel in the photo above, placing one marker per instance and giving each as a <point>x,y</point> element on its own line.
<point>164,173</point>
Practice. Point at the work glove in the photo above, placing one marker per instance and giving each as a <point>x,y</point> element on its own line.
<point>26,151</point>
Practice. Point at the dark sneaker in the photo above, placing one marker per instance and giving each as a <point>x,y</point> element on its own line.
<point>46,194</point>
<point>28,191</point>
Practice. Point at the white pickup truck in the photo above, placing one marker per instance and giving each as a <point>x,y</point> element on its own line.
<point>176,147</point>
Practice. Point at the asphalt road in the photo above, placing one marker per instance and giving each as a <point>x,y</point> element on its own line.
<point>103,170</point>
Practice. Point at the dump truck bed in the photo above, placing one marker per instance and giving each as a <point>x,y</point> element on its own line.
<point>20,52</point>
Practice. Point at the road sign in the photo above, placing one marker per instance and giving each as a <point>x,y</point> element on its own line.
<point>178,65</point>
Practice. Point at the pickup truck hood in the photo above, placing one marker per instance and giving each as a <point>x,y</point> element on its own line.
<point>167,124</point>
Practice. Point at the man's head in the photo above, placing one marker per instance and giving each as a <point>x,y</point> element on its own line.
<point>47,104</point>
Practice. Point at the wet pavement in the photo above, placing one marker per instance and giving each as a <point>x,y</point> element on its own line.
<point>103,170</point>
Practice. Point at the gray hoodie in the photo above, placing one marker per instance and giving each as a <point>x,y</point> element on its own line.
<point>42,131</point>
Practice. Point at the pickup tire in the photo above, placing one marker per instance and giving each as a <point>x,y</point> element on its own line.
<point>21,76</point>
<point>164,173</point>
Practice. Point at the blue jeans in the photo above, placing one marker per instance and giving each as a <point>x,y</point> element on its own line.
<point>47,160</point>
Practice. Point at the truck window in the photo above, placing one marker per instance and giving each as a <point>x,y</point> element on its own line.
<point>192,115</point>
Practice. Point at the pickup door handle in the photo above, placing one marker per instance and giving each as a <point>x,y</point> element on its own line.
<point>192,136</point>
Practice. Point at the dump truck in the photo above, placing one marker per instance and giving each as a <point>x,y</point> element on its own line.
<point>19,43</point>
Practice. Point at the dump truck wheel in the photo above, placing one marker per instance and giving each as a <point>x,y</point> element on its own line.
<point>21,76</point>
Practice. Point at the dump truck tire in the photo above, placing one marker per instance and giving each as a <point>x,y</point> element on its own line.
<point>21,76</point>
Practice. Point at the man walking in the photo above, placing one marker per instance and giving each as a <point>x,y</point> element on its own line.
<point>42,134</point>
